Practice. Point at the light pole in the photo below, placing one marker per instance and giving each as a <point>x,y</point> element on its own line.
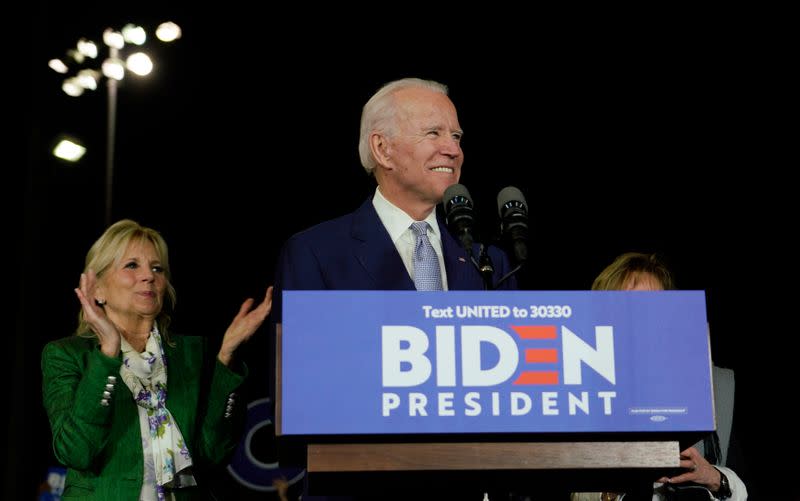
<point>114,69</point>
<point>111,132</point>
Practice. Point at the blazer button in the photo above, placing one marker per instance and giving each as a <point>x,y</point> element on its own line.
<point>104,402</point>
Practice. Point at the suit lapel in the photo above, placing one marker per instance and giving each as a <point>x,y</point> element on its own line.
<point>375,251</point>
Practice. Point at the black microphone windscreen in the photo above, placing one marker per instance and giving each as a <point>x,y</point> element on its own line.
<point>456,190</point>
<point>510,194</point>
<point>513,210</point>
<point>458,213</point>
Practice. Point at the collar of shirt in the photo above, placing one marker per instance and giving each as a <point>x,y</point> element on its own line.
<point>397,222</point>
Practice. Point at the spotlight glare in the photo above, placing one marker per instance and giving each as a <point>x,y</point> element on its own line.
<point>139,63</point>
<point>69,150</point>
<point>168,32</point>
<point>58,66</point>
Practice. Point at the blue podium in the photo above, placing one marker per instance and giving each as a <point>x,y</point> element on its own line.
<point>593,390</point>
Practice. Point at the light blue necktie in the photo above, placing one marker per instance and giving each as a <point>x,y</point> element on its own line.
<point>427,276</point>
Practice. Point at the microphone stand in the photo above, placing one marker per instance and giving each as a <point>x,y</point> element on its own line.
<point>509,274</point>
<point>486,268</point>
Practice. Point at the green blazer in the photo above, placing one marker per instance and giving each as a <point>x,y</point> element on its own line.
<point>101,445</point>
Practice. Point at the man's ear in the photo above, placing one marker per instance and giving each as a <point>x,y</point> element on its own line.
<point>381,149</point>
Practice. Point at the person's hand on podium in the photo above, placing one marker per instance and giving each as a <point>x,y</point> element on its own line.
<point>698,471</point>
<point>709,470</point>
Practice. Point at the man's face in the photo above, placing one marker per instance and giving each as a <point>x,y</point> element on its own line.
<point>425,154</point>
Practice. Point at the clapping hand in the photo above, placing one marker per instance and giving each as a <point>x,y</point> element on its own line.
<point>244,324</point>
<point>95,315</point>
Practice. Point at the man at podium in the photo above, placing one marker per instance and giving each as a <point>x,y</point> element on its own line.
<point>410,141</point>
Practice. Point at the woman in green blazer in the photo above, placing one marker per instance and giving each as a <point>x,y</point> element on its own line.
<point>123,396</point>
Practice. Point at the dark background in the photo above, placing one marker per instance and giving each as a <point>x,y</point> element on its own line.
<point>657,137</point>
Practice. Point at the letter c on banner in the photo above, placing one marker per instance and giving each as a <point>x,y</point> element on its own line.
<point>245,467</point>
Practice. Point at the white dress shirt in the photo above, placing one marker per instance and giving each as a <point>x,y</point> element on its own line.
<point>398,224</point>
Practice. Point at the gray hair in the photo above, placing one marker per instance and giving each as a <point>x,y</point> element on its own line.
<point>380,112</point>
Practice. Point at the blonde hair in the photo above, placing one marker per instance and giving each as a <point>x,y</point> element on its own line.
<point>629,265</point>
<point>110,248</point>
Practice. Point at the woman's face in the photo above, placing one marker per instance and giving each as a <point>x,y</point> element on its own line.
<point>134,285</point>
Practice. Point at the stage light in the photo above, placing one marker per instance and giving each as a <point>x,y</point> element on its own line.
<point>113,67</point>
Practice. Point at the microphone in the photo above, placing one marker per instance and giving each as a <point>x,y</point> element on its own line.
<point>513,211</point>
<point>459,214</point>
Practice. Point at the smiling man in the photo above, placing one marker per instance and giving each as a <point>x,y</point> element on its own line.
<point>396,240</point>
<point>411,143</point>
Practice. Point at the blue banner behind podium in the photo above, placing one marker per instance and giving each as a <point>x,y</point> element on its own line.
<point>406,362</point>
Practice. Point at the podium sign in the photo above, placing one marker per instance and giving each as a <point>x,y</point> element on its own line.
<point>407,362</point>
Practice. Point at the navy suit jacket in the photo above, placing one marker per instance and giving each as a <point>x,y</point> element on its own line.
<point>355,252</point>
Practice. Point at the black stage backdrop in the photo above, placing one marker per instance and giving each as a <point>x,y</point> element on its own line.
<point>653,140</point>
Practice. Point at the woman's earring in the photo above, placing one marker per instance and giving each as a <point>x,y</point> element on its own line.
<point>100,302</point>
